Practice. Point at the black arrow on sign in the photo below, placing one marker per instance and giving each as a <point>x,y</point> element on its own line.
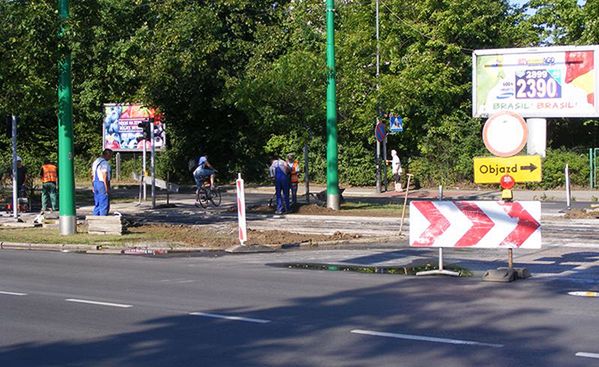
<point>531,167</point>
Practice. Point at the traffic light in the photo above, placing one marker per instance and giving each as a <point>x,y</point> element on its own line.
<point>146,126</point>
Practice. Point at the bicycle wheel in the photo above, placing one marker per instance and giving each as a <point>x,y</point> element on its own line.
<point>201,199</point>
<point>215,197</point>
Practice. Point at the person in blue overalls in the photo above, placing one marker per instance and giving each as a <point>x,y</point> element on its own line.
<point>279,171</point>
<point>101,182</point>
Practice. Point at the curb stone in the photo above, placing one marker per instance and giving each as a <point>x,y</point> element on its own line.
<point>149,250</point>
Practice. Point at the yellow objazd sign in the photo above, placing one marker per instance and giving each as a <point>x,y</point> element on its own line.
<point>524,168</point>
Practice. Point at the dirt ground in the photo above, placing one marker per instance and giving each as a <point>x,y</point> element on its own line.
<point>582,214</point>
<point>226,235</point>
<point>313,209</point>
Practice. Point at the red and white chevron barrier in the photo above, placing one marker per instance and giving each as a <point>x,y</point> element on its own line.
<point>482,224</point>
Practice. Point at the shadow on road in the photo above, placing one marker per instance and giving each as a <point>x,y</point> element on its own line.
<point>315,331</point>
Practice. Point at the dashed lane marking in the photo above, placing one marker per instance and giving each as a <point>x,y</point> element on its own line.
<point>425,338</point>
<point>110,304</point>
<point>584,294</point>
<point>13,293</point>
<point>587,355</point>
<point>234,318</point>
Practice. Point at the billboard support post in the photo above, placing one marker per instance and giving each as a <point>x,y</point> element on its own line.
<point>118,165</point>
<point>537,136</point>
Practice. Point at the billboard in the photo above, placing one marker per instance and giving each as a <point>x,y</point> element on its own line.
<point>121,132</point>
<point>536,82</point>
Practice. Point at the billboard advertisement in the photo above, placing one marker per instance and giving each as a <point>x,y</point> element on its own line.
<point>537,82</point>
<point>121,131</point>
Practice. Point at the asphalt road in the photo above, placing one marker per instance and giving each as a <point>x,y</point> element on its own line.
<point>61,309</point>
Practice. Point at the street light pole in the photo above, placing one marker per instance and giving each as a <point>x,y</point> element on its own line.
<point>378,70</point>
<point>332,176</point>
<point>66,178</point>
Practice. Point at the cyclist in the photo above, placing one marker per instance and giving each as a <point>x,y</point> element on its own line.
<point>204,170</point>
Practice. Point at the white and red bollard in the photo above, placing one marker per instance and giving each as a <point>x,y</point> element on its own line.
<point>243,236</point>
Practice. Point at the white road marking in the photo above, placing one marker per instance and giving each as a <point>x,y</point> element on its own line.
<point>584,294</point>
<point>587,355</point>
<point>97,303</point>
<point>180,281</point>
<point>234,318</point>
<point>425,338</point>
<point>13,293</point>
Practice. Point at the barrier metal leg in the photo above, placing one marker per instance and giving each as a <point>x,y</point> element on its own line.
<point>440,271</point>
<point>405,202</point>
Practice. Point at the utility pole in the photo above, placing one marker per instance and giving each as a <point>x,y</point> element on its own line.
<point>332,162</point>
<point>66,178</point>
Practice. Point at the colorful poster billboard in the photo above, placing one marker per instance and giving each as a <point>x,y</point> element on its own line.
<point>121,131</point>
<point>537,82</point>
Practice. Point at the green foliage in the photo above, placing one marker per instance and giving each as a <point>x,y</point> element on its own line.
<point>447,151</point>
<point>555,164</point>
<point>242,79</point>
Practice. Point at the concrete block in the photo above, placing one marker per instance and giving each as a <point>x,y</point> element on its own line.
<point>521,273</point>
<point>108,224</point>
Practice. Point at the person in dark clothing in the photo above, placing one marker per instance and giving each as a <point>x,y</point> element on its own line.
<point>21,177</point>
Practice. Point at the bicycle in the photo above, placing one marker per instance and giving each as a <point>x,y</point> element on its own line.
<point>205,194</point>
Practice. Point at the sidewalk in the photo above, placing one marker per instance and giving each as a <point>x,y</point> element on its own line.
<point>453,193</point>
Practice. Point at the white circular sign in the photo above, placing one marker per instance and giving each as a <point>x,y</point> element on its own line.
<point>505,134</point>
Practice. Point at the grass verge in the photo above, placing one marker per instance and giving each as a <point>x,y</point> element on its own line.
<point>394,270</point>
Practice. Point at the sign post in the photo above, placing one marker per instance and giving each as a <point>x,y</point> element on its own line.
<point>505,134</point>
<point>379,134</point>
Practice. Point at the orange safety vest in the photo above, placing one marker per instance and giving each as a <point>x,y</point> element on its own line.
<point>294,177</point>
<point>49,173</point>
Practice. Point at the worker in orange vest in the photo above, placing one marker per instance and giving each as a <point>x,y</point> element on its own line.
<point>293,177</point>
<point>49,175</point>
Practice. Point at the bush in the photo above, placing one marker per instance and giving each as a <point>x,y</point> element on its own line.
<point>555,164</point>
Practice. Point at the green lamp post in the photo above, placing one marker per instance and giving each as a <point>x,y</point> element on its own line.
<point>66,178</point>
<point>332,163</point>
